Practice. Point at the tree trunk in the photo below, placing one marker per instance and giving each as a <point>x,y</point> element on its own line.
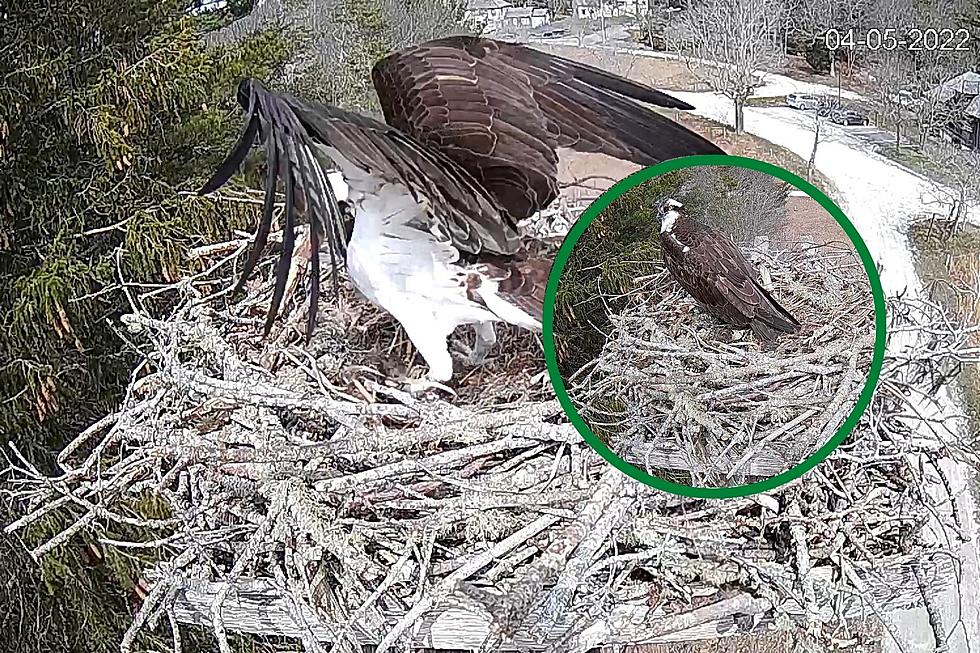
<point>602,20</point>
<point>961,206</point>
<point>813,152</point>
<point>739,115</point>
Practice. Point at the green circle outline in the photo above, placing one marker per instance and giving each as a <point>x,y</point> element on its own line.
<point>550,299</point>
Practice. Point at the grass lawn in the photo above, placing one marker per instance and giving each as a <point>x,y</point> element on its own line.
<point>952,266</point>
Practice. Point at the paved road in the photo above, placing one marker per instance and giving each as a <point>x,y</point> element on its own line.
<point>879,196</point>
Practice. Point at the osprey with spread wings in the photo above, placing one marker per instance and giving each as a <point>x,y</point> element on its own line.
<point>471,146</point>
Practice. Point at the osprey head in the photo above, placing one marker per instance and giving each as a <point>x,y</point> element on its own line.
<point>667,213</point>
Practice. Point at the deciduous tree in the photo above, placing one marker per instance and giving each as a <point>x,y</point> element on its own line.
<point>726,42</point>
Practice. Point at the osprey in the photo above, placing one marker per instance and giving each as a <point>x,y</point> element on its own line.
<point>471,147</point>
<point>709,266</point>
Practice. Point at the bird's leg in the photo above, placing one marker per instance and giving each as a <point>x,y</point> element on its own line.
<point>484,340</point>
<point>423,385</point>
<point>431,342</point>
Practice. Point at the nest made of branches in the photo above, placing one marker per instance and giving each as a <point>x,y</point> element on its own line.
<point>676,392</point>
<point>298,494</point>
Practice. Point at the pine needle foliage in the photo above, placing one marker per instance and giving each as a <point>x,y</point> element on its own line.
<point>110,112</point>
<point>621,244</point>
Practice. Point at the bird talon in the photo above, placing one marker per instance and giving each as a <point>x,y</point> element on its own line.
<point>423,385</point>
<point>472,356</point>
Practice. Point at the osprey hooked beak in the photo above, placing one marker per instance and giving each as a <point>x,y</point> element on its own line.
<point>665,205</point>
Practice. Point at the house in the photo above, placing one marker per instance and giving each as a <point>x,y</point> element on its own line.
<point>487,13</point>
<point>517,18</point>
<point>961,94</point>
<point>593,9</point>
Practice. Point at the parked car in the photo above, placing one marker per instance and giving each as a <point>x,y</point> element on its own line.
<point>848,117</point>
<point>803,101</point>
<point>549,31</point>
<point>554,33</point>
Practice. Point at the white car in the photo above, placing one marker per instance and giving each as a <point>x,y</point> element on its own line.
<point>804,101</point>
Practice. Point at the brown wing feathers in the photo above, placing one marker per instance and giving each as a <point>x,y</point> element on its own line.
<point>715,272</point>
<point>294,129</point>
<point>511,108</point>
<point>474,127</point>
<point>520,282</point>
<point>768,317</point>
<point>479,115</point>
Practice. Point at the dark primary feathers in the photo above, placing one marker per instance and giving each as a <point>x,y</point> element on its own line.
<point>293,128</point>
<point>716,273</point>
<point>474,128</point>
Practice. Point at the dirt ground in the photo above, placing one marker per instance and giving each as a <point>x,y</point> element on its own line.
<point>798,68</point>
<point>806,220</point>
<point>672,74</point>
<point>668,74</point>
<point>587,175</point>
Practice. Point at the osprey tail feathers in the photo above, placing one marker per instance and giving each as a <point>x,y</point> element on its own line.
<point>513,290</point>
<point>772,319</point>
<point>770,330</point>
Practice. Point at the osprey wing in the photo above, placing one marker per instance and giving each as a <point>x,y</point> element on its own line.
<point>501,111</point>
<point>734,295</point>
<point>707,264</point>
<point>737,296</point>
<point>295,133</point>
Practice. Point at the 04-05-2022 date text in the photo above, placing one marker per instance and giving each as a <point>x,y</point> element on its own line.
<point>892,38</point>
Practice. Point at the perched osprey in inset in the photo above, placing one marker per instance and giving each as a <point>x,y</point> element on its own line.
<point>709,266</point>
<point>471,146</point>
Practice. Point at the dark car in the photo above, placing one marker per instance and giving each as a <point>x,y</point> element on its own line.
<point>550,32</point>
<point>848,117</point>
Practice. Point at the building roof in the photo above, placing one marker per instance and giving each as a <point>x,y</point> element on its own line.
<point>967,83</point>
<point>482,5</point>
<point>525,12</point>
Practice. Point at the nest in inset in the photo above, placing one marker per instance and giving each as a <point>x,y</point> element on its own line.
<point>684,396</point>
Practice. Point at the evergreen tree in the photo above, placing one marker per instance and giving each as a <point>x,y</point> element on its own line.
<point>622,243</point>
<point>108,110</point>
<point>109,113</point>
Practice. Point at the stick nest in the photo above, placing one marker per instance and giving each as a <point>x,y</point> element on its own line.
<point>677,393</point>
<point>296,494</point>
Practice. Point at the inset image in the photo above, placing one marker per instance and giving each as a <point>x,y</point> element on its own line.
<point>714,326</point>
